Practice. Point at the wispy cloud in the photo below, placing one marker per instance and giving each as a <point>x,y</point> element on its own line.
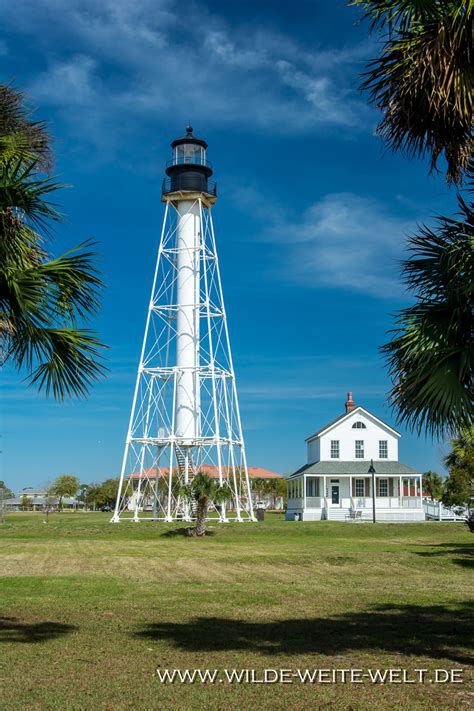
<point>278,392</point>
<point>348,241</point>
<point>342,241</point>
<point>116,61</point>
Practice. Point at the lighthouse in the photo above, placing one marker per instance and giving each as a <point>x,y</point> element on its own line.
<point>185,414</point>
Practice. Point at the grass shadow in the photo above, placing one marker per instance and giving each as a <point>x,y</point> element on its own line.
<point>184,532</point>
<point>12,630</point>
<point>462,554</point>
<point>436,631</point>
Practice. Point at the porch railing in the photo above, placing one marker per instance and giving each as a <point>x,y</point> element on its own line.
<point>295,502</point>
<point>357,502</point>
<point>386,502</point>
<point>410,502</point>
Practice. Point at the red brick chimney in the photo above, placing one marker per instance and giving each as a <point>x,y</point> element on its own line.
<point>350,404</point>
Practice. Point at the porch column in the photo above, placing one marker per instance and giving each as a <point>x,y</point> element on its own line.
<point>400,491</point>
<point>350,488</point>
<point>304,491</point>
<point>420,481</point>
<point>324,487</point>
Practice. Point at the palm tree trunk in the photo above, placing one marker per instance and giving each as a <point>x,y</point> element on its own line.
<point>201,515</point>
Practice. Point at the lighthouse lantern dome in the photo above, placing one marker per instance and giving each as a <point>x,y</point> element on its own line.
<point>189,169</point>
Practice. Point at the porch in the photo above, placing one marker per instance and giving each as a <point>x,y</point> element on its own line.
<point>312,498</point>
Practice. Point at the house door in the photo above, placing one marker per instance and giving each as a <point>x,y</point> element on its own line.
<point>334,494</point>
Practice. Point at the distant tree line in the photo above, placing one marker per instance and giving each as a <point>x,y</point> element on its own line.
<point>97,496</point>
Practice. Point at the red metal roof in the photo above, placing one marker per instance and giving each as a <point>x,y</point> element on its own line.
<point>254,472</point>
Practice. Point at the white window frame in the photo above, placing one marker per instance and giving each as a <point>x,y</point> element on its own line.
<point>359,425</point>
<point>385,483</point>
<point>357,483</point>
<point>335,446</point>
<point>359,449</point>
<point>383,444</point>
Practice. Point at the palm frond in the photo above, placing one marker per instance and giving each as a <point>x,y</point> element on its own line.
<point>20,136</point>
<point>400,15</point>
<point>430,356</point>
<point>423,80</point>
<point>69,362</point>
<point>42,300</point>
<point>24,194</point>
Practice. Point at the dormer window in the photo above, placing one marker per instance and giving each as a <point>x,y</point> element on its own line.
<point>359,425</point>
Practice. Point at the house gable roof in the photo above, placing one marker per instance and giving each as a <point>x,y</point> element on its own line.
<point>345,416</point>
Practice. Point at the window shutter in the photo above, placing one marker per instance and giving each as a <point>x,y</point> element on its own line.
<point>390,487</point>
<point>367,487</point>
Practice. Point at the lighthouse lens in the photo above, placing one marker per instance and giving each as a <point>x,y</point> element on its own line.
<point>189,153</point>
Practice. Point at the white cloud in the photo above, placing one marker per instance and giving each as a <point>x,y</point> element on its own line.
<point>146,59</point>
<point>73,81</point>
<point>342,241</point>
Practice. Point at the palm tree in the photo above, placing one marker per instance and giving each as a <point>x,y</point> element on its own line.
<point>462,449</point>
<point>273,489</point>
<point>433,484</point>
<point>259,485</point>
<point>204,490</point>
<point>430,356</point>
<point>43,300</point>
<point>423,79</point>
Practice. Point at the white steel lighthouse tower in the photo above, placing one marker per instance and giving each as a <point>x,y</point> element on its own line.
<point>185,414</point>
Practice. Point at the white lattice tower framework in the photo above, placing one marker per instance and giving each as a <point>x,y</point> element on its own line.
<point>185,413</point>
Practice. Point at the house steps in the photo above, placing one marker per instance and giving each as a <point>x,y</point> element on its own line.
<point>336,514</point>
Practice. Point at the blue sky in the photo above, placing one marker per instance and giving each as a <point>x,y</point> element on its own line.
<point>310,221</point>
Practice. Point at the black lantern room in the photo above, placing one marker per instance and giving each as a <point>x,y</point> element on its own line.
<point>188,171</point>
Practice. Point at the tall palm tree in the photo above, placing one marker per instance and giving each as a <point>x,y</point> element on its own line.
<point>423,79</point>
<point>430,356</point>
<point>204,490</point>
<point>43,300</point>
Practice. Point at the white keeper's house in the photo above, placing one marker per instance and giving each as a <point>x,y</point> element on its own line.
<point>336,483</point>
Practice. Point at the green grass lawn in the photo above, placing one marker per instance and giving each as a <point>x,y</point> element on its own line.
<point>90,610</point>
